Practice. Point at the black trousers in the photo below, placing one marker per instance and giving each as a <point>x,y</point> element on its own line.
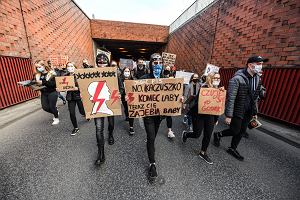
<point>151,126</point>
<point>72,106</point>
<point>237,128</point>
<point>131,120</point>
<point>169,121</point>
<point>99,123</point>
<point>48,101</point>
<point>205,123</point>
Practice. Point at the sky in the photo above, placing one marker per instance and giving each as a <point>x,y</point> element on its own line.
<point>161,12</point>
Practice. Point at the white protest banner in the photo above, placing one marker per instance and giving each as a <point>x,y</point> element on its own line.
<point>107,53</point>
<point>211,69</point>
<point>99,90</point>
<point>211,101</point>
<point>58,61</point>
<point>168,59</point>
<point>126,63</point>
<point>152,97</point>
<point>185,75</point>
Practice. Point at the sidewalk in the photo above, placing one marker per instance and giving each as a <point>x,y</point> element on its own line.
<point>14,113</point>
<point>275,129</point>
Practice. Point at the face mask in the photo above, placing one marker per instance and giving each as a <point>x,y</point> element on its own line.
<point>216,83</point>
<point>157,70</point>
<point>71,69</point>
<point>126,74</point>
<point>257,69</point>
<point>195,80</point>
<point>41,69</point>
<point>140,66</point>
<point>85,65</point>
<point>102,65</point>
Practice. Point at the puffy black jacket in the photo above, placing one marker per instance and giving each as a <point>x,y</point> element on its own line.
<point>239,99</point>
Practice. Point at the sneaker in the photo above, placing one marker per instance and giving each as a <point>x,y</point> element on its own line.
<point>152,171</point>
<point>75,131</point>
<point>184,138</point>
<point>131,131</point>
<point>64,102</point>
<point>217,139</point>
<point>190,129</point>
<point>235,154</point>
<point>171,135</point>
<point>205,158</point>
<point>55,121</point>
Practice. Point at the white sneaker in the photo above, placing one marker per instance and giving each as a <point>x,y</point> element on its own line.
<point>171,134</point>
<point>55,121</point>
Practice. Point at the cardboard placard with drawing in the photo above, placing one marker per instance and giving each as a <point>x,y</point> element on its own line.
<point>100,91</point>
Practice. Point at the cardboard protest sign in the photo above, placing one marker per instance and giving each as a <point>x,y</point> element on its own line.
<point>58,61</point>
<point>152,97</point>
<point>99,90</point>
<point>211,69</point>
<point>168,59</point>
<point>185,75</point>
<point>211,101</point>
<point>65,83</point>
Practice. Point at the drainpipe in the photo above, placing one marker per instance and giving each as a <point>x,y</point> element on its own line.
<point>30,55</point>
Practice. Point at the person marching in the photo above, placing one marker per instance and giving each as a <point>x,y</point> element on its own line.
<point>44,76</point>
<point>243,92</point>
<point>203,122</point>
<point>168,74</point>
<point>103,61</point>
<point>126,75</point>
<point>73,98</point>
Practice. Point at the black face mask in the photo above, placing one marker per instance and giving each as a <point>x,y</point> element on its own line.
<point>85,65</point>
<point>166,72</point>
<point>195,80</point>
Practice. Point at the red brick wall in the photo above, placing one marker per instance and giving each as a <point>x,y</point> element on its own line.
<point>270,28</point>
<point>192,43</point>
<point>53,27</point>
<point>12,33</point>
<point>103,29</point>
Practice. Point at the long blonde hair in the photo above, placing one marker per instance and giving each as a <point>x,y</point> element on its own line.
<point>42,63</point>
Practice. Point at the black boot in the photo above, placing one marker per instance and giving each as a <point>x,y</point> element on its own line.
<point>111,139</point>
<point>101,157</point>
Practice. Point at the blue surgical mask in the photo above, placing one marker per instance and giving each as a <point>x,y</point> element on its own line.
<point>41,69</point>
<point>157,70</point>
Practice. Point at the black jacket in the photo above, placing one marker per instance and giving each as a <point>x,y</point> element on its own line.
<point>50,84</point>
<point>73,95</point>
<point>239,99</point>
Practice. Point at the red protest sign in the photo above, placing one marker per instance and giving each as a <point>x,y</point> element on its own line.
<point>211,101</point>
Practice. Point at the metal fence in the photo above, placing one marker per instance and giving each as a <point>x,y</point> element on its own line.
<point>282,100</point>
<point>13,70</point>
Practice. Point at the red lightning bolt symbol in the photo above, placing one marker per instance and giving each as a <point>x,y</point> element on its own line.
<point>64,81</point>
<point>96,95</point>
<point>130,97</point>
<point>114,96</point>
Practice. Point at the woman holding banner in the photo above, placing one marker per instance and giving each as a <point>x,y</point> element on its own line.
<point>126,75</point>
<point>103,61</point>
<point>203,122</point>
<point>44,76</point>
<point>168,74</point>
<point>73,98</point>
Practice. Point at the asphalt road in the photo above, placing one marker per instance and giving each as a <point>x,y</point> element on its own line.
<point>39,161</point>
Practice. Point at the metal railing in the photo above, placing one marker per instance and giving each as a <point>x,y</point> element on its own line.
<point>13,70</point>
<point>282,100</point>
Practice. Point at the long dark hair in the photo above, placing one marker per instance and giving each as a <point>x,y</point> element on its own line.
<point>122,75</point>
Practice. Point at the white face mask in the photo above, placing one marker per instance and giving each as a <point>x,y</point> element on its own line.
<point>257,69</point>
<point>71,69</point>
<point>216,83</point>
<point>41,69</point>
<point>126,74</point>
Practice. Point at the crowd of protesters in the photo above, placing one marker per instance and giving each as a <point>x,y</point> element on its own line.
<point>243,92</point>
